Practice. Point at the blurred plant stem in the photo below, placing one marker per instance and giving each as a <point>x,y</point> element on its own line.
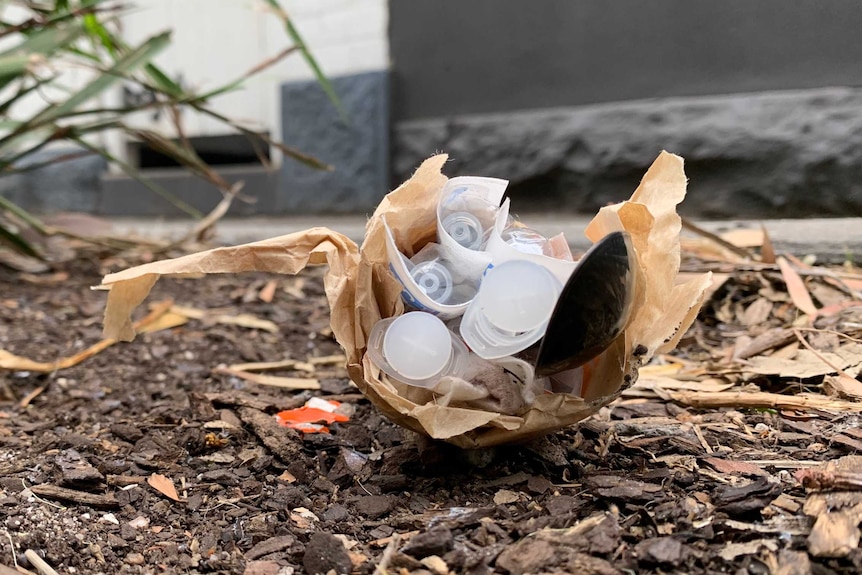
<point>54,35</point>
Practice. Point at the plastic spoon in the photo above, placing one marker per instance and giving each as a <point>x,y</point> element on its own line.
<point>593,308</point>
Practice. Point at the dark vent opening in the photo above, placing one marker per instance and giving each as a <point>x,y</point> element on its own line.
<point>229,150</point>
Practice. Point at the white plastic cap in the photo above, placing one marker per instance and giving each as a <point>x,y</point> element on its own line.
<point>434,280</point>
<point>512,309</point>
<point>417,349</point>
<point>527,241</point>
<point>417,345</point>
<point>465,229</point>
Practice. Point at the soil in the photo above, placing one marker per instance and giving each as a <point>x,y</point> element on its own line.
<point>644,486</point>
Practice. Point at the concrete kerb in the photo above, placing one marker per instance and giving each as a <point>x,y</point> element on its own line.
<point>831,240</point>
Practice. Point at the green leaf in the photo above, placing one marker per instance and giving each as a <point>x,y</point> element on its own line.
<point>184,155</point>
<point>98,32</point>
<point>124,65</point>
<point>164,82</point>
<point>12,67</point>
<point>202,98</point>
<point>47,41</point>
<point>47,134</point>
<point>17,242</point>
<point>301,157</point>
<point>237,84</point>
<point>309,59</point>
<point>23,215</point>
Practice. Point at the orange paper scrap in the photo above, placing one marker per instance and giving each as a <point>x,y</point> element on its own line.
<point>308,417</point>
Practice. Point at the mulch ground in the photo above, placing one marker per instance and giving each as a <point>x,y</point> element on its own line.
<point>651,484</point>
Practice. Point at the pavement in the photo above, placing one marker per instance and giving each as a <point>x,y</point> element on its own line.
<point>832,240</point>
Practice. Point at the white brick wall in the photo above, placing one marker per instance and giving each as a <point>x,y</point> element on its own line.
<point>216,41</point>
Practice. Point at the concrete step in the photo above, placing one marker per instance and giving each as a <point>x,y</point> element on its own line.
<point>830,240</point>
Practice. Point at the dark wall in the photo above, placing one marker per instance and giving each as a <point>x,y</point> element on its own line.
<point>454,57</point>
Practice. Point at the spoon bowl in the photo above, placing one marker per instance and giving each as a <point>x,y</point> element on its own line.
<point>593,308</point>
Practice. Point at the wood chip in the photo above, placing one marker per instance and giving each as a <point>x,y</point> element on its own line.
<point>775,526</point>
<point>733,550</point>
<point>74,496</point>
<point>505,497</point>
<point>282,441</point>
<point>787,503</point>
<point>734,467</point>
<point>259,402</point>
<point>835,534</point>
<point>384,541</point>
<point>844,473</point>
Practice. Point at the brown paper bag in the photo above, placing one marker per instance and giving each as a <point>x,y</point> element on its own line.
<point>361,291</point>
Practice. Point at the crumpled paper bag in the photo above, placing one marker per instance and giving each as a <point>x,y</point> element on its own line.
<point>361,291</point>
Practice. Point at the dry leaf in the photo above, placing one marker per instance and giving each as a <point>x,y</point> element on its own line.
<point>709,251</point>
<point>757,313</point>
<point>435,564</point>
<point>659,384</point>
<point>506,496</point>
<point>770,339</point>
<point>268,291</point>
<point>718,280</point>
<point>44,279</point>
<point>242,320</point>
<point>267,365</point>
<point>843,386</point>
<point>767,250</point>
<point>658,370</point>
<point>271,380</point>
<point>295,287</point>
<point>163,485</point>
<point>744,238</point>
<point>158,319</point>
<point>807,363</point>
<point>796,288</point>
<point>357,559</point>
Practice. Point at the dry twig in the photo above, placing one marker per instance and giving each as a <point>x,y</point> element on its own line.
<point>761,400</point>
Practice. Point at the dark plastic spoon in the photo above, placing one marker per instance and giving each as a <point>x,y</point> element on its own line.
<point>593,307</point>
